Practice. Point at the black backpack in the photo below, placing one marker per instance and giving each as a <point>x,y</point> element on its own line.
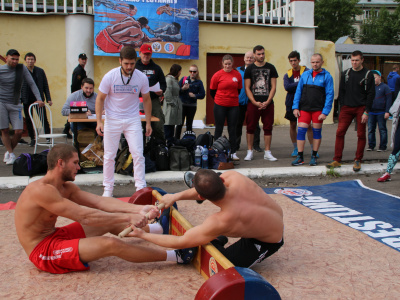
<point>205,139</point>
<point>188,141</point>
<point>222,144</point>
<point>179,158</point>
<point>31,164</point>
<point>162,157</point>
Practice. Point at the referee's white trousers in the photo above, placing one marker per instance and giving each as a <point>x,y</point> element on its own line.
<point>132,129</point>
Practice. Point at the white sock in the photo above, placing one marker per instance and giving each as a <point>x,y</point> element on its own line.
<point>171,256</point>
<point>155,228</point>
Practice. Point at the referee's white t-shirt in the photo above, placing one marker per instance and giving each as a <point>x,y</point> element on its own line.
<point>122,99</point>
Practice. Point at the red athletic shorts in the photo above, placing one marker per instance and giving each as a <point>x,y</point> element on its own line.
<point>106,43</point>
<point>307,116</point>
<point>58,253</point>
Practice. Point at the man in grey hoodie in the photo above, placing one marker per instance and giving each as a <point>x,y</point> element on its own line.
<point>12,75</point>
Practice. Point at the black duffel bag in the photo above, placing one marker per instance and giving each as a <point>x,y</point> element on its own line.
<point>31,164</point>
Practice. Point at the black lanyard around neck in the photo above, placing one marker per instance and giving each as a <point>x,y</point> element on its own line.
<point>122,78</point>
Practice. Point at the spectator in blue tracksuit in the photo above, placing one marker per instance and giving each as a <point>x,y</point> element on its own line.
<point>391,81</point>
<point>192,89</point>
<point>312,102</point>
<point>379,113</point>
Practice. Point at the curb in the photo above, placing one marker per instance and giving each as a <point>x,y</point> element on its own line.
<point>170,176</point>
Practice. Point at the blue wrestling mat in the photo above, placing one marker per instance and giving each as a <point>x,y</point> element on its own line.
<point>369,211</point>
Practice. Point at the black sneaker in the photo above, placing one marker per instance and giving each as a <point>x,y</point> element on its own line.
<point>185,256</point>
<point>32,143</point>
<point>22,142</point>
<point>1,143</point>
<point>258,149</point>
<point>188,178</point>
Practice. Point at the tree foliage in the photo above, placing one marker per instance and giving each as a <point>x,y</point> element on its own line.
<point>382,28</point>
<point>335,18</point>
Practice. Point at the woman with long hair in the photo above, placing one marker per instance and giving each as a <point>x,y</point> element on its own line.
<point>172,107</point>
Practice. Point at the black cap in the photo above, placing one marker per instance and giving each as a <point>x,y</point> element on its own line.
<point>12,52</point>
<point>83,56</point>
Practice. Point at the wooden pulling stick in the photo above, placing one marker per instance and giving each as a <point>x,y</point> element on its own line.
<point>160,206</point>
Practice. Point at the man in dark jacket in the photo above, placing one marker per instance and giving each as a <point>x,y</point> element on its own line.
<point>27,96</point>
<point>379,113</point>
<point>157,87</point>
<point>391,81</point>
<point>356,94</point>
<point>290,82</point>
<point>78,75</point>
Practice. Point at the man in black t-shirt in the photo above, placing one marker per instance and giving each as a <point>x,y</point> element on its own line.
<point>260,84</point>
<point>356,94</point>
<point>156,79</point>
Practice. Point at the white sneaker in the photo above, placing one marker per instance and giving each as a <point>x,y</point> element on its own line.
<point>108,193</point>
<point>249,155</point>
<point>234,157</point>
<point>11,159</point>
<point>268,156</point>
<point>6,157</point>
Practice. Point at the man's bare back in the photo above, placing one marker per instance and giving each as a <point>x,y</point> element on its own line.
<point>248,211</point>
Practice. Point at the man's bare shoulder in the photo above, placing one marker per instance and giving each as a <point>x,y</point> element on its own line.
<point>41,189</point>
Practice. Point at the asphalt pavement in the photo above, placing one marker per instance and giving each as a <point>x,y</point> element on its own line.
<point>373,165</point>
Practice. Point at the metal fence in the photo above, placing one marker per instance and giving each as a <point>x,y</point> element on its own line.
<point>269,12</point>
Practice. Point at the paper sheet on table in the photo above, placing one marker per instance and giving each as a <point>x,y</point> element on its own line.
<point>94,117</point>
<point>155,88</point>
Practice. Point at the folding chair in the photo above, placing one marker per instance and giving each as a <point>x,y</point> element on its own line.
<point>37,115</point>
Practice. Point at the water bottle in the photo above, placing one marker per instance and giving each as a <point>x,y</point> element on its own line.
<point>204,158</point>
<point>197,156</point>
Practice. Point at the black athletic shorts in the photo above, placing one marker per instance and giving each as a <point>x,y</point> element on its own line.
<point>290,116</point>
<point>247,252</point>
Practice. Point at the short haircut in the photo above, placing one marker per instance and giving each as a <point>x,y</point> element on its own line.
<point>131,6</point>
<point>294,54</point>
<point>395,66</point>
<point>59,151</point>
<point>87,80</point>
<point>357,53</point>
<point>128,52</point>
<point>258,48</point>
<point>209,185</point>
<point>30,54</point>
<point>174,70</point>
<point>227,57</point>
<point>318,54</point>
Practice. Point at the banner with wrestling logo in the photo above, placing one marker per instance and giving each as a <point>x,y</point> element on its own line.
<point>369,211</point>
<point>171,27</point>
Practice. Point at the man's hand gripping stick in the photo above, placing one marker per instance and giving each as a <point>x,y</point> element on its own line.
<point>160,206</point>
